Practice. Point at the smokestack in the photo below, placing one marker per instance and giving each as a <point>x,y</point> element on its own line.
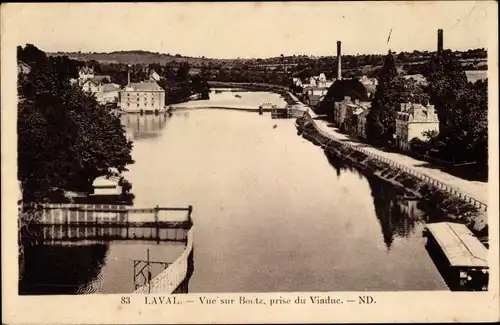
<point>128,75</point>
<point>339,60</point>
<point>440,41</point>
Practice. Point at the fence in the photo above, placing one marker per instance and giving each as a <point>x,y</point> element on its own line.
<point>425,178</point>
<point>169,280</point>
<point>111,214</point>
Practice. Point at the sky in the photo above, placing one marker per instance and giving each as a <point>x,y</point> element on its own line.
<point>250,30</point>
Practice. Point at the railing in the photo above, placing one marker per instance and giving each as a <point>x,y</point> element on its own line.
<point>425,178</point>
<point>169,280</point>
<point>105,213</point>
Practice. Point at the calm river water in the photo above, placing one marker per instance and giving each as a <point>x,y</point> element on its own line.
<point>271,211</point>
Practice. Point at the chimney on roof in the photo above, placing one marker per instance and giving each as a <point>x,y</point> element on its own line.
<point>339,60</point>
<point>440,41</point>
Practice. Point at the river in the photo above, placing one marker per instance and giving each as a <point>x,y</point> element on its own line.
<point>271,211</point>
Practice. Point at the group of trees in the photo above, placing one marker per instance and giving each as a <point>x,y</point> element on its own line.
<point>392,90</point>
<point>462,108</point>
<point>340,89</point>
<point>65,138</point>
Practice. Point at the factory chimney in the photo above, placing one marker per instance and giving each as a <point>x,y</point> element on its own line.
<point>128,75</point>
<point>339,60</point>
<point>440,41</point>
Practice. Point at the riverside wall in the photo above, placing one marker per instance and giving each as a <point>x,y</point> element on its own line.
<point>452,205</point>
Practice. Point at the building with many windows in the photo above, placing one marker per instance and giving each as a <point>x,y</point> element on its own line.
<point>412,121</point>
<point>142,97</point>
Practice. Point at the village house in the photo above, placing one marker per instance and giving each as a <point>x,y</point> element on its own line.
<point>412,121</point>
<point>314,95</point>
<point>142,97</point>
<point>85,73</point>
<point>418,78</point>
<point>93,84</point>
<point>153,76</point>
<point>370,85</point>
<point>23,68</point>
<point>352,112</point>
<point>104,91</point>
<point>297,82</point>
<point>362,124</point>
<point>475,75</point>
<point>340,109</point>
<point>108,93</point>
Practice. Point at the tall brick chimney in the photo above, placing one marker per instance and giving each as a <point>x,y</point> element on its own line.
<point>339,60</point>
<point>440,41</point>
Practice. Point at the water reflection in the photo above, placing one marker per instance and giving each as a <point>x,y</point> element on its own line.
<point>62,259</point>
<point>143,126</point>
<point>63,269</point>
<point>397,216</point>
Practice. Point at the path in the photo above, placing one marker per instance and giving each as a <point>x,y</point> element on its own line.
<point>474,189</point>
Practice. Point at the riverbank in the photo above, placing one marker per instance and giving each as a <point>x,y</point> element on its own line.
<point>434,198</point>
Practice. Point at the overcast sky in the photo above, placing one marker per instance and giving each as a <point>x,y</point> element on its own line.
<point>230,30</point>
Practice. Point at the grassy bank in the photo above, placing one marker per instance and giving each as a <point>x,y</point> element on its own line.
<point>432,200</point>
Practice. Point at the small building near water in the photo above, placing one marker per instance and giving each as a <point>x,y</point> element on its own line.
<point>106,186</point>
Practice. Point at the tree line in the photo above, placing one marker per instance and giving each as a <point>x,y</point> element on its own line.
<point>65,138</point>
<point>461,106</point>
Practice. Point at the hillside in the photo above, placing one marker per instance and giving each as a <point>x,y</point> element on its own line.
<point>137,57</point>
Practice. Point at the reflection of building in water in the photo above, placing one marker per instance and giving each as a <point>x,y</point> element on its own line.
<point>143,126</point>
<point>397,216</point>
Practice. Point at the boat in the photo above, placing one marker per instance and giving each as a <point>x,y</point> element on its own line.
<point>463,259</point>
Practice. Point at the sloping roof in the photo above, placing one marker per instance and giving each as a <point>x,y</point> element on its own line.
<point>143,86</point>
<point>364,113</point>
<point>110,87</point>
<point>475,75</point>
<point>100,78</point>
<point>86,70</point>
<point>104,181</point>
<point>23,67</point>
<point>358,110</point>
<point>459,244</point>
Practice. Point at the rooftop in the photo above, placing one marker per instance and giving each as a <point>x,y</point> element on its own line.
<point>143,86</point>
<point>475,75</point>
<point>110,87</point>
<point>459,244</point>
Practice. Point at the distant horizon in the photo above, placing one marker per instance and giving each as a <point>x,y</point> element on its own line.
<point>227,31</point>
<point>246,58</point>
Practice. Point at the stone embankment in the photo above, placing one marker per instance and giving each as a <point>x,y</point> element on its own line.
<point>431,193</point>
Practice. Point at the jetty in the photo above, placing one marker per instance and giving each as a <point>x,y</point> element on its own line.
<point>81,224</point>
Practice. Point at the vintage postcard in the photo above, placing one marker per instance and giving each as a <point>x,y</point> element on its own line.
<point>253,162</point>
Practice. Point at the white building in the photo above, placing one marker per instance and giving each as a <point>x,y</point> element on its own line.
<point>85,73</point>
<point>412,121</point>
<point>153,76</point>
<point>142,97</point>
<point>106,186</point>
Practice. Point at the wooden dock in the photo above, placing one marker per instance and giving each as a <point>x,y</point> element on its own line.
<point>71,222</point>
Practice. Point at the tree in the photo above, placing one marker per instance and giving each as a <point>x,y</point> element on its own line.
<point>338,91</point>
<point>65,138</point>
<point>462,108</point>
<point>381,119</point>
